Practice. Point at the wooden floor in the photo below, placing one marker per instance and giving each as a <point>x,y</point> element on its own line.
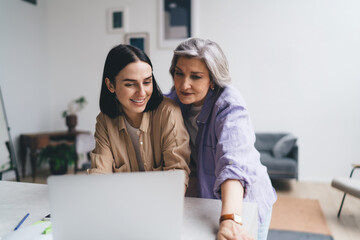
<point>345,228</point>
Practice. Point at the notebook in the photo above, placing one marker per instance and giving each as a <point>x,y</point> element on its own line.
<point>139,205</point>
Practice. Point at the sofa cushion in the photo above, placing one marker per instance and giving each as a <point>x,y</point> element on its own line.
<point>267,141</point>
<point>279,166</point>
<point>283,147</point>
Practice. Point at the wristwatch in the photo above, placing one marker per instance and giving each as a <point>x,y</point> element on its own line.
<point>233,216</point>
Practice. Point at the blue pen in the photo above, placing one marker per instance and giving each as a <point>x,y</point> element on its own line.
<point>21,222</point>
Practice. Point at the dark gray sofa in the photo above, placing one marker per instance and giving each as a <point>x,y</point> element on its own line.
<point>279,153</point>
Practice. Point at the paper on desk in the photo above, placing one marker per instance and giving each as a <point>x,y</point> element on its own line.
<point>32,232</point>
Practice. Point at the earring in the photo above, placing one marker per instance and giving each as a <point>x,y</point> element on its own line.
<point>212,87</point>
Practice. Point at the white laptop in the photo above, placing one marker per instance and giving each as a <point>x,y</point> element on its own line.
<point>140,205</point>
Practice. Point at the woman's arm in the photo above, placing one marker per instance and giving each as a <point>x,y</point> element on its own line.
<point>101,157</point>
<point>235,165</point>
<point>232,194</point>
<point>175,148</point>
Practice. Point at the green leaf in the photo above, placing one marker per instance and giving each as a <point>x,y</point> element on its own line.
<point>58,154</point>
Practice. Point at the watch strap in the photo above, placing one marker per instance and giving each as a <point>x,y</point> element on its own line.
<point>233,216</point>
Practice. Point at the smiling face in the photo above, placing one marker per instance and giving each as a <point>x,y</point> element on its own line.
<point>191,80</point>
<point>133,88</point>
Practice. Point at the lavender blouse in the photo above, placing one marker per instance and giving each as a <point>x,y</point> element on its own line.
<point>225,149</point>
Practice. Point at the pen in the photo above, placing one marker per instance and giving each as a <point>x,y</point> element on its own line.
<point>21,222</point>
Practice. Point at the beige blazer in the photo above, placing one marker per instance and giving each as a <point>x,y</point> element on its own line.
<point>164,142</point>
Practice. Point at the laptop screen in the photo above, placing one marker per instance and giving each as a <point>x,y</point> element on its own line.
<point>139,205</point>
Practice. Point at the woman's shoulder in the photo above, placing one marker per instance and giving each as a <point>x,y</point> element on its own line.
<point>168,104</point>
<point>167,109</point>
<point>102,117</point>
<point>229,97</point>
<point>105,119</point>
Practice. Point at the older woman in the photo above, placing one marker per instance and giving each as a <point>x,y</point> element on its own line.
<point>224,162</point>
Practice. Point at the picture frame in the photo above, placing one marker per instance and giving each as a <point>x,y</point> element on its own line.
<point>139,40</point>
<point>117,20</point>
<point>175,21</point>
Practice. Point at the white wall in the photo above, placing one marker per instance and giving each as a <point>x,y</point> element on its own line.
<point>296,62</point>
<point>23,67</point>
<point>78,46</point>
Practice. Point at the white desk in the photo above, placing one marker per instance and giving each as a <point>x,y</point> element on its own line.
<point>201,216</point>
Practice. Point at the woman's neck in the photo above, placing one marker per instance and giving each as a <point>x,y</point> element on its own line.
<point>134,119</point>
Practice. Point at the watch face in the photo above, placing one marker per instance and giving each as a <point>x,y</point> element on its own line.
<point>237,218</point>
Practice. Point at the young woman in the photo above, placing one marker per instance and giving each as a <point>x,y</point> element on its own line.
<point>137,129</point>
<point>224,162</point>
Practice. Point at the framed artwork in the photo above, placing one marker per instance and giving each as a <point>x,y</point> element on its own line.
<point>175,22</point>
<point>116,20</point>
<point>139,40</point>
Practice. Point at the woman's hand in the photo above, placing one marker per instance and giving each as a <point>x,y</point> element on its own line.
<point>230,230</point>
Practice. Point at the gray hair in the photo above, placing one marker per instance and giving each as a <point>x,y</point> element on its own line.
<point>208,51</point>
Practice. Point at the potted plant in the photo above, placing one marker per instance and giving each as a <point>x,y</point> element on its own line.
<point>70,114</point>
<point>59,157</point>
